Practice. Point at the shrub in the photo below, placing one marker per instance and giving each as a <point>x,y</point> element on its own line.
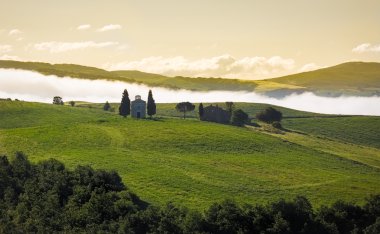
<point>107,106</point>
<point>277,125</point>
<point>72,103</point>
<point>239,117</point>
<point>269,115</point>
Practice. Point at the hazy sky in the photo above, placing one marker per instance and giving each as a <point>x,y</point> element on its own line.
<point>249,39</point>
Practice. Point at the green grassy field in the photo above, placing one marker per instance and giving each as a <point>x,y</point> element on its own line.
<point>352,78</point>
<point>361,130</point>
<point>196,163</point>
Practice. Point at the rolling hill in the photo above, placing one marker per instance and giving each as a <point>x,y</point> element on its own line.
<point>197,163</point>
<point>353,78</point>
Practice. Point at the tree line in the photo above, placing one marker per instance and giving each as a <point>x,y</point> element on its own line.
<point>46,197</point>
<point>238,117</point>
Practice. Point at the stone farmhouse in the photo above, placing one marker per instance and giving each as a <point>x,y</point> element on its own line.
<point>216,114</point>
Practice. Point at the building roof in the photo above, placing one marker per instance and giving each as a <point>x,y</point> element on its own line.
<point>138,99</point>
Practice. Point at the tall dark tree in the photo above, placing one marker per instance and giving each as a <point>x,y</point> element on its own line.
<point>184,107</point>
<point>125,105</point>
<point>107,106</point>
<point>200,111</point>
<point>151,106</point>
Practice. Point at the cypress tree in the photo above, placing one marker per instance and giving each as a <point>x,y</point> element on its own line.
<point>200,111</point>
<point>151,107</point>
<point>125,105</point>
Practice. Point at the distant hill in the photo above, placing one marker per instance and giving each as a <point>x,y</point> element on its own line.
<point>353,78</point>
<point>349,78</point>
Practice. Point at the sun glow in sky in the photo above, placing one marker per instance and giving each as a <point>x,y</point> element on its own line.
<point>247,39</point>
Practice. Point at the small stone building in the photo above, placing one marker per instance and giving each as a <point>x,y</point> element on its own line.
<point>138,108</point>
<point>216,114</point>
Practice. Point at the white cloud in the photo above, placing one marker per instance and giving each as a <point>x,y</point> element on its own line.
<point>5,48</point>
<point>219,66</point>
<point>366,47</point>
<point>59,47</point>
<point>109,27</point>
<point>14,32</point>
<point>84,27</point>
<point>309,67</point>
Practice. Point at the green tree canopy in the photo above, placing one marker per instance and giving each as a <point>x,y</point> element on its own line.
<point>57,100</point>
<point>184,107</point>
<point>239,117</point>
<point>46,197</point>
<point>269,115</point>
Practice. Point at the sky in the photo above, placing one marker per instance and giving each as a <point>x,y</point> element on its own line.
<point>245,39</point>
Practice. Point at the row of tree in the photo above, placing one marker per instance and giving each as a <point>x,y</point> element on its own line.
<point>48,198</point>
<point>237,117</point>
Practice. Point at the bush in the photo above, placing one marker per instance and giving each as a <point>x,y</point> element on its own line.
<point>72,103</point>
<point>107,106</point>
<point>239,117</point>
<point>269,115</point>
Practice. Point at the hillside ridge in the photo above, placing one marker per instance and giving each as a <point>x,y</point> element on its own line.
<point>350,78</point>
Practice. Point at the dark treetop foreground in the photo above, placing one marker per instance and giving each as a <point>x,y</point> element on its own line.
<point>46,197</point>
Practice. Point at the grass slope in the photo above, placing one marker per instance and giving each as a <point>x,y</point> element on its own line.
<point>187,161</point>
<point>361,130</point>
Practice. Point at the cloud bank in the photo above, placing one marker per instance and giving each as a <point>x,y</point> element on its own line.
<point>366,47</point>
<point>59,47</point>
<point>37,87</point>
<point>220,66</point>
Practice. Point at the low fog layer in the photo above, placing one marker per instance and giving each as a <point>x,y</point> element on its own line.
<point>32,86</point>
